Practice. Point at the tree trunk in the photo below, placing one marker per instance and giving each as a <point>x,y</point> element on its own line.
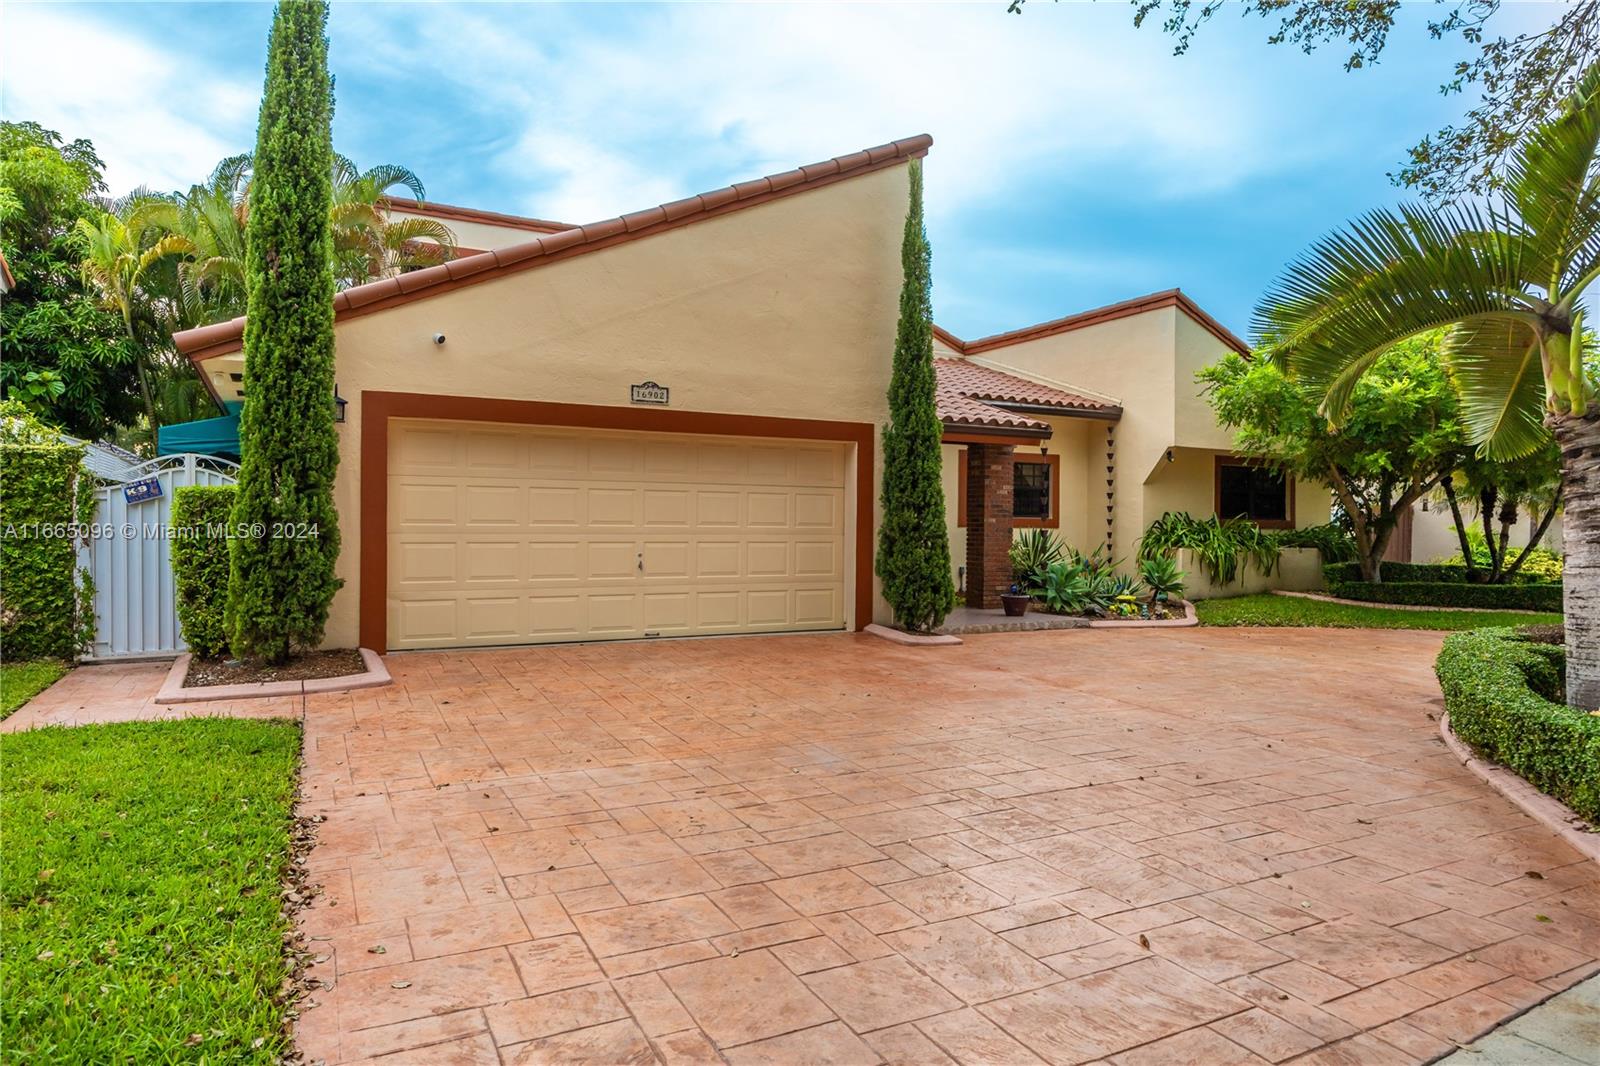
<point>1579,440</point>
<point>1538,535</point>
<point>1461,528</point>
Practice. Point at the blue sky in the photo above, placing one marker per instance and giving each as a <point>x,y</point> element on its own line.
<point>1076,160</point>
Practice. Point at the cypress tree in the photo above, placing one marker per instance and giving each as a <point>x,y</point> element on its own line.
<point>281,561</point>
<point>913,544</point>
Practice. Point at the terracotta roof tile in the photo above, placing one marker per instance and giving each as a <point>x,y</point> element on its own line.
<point>1136,306</point>
<point>207,342</point>
<point>969,394</point>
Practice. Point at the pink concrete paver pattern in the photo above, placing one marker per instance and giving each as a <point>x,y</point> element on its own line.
<point>1186,846</point>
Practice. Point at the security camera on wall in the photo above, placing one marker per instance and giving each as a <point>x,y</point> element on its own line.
<point>438,338</point>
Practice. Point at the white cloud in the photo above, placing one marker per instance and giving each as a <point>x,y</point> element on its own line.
<point>614,113</point>
<point>152,117</point>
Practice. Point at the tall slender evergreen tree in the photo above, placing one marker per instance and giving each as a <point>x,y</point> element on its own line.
<point>913,545</point>
<point>282,559</point>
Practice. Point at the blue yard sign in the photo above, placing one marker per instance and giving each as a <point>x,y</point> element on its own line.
<point>144,489</point>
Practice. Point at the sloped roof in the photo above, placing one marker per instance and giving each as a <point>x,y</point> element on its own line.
<point>408,206</point>
<point>1125,309</point>
<point>221,338</point>
<point>970,394</point>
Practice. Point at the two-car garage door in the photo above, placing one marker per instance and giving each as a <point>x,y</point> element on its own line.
<point>502,534</point>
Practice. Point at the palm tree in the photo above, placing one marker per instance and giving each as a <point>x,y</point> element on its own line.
<point>1507,279</point>
<point>122,247</point>
<point>367,243</point>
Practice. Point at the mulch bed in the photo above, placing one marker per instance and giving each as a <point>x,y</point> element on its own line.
<point>307,666</point>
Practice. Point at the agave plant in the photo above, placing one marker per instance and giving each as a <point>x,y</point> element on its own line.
<point>1066,588</point>
<point>1033,553</point>
<point>1508,279</point>
<point>1161,576</point>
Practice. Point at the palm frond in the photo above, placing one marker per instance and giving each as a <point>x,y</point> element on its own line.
<point>1550,182</point>
<point>386,176</point>
<point>1497,366</point>
<point>1390,275</point>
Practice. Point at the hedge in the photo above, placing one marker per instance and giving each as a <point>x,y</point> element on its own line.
<point>1499,690</point>
<point>200,518</point>
<point>46,605</point>
<point>1452,594</point>
<point>1406,573</point>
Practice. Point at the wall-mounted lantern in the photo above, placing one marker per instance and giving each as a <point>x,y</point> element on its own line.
<point>338,404</point>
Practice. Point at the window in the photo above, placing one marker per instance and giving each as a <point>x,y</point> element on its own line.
<point>1030,493</point>
<point>1035,490</point>
<point>1249,490</point>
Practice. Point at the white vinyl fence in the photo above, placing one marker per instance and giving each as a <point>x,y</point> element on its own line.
<point>129,555</point>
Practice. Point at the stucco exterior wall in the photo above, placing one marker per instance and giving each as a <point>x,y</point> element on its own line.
<point>786,309</point>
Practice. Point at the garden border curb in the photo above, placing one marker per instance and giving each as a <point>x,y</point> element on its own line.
<point>1323,597</point>
<point>1192,618</point>
<point>172,690</point>
<point>1549,811</point>
<point>915,640</point>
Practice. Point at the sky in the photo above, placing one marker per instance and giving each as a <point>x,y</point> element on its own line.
<point>1076,160</point>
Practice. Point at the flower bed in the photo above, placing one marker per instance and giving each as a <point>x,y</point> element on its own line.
<point>1503,692</point>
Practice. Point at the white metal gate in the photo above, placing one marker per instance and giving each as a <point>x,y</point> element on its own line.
<point>130,557</point>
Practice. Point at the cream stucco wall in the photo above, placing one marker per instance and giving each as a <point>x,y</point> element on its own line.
<point>1434,537</point>
<point>1147,363</point>
<point>785,309</point>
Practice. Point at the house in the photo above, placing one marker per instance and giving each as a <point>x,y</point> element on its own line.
<point>668,423</point>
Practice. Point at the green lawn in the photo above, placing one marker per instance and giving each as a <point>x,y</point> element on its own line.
<point>21,682</point>
<point>141,876</point>
<point>1270,610</point>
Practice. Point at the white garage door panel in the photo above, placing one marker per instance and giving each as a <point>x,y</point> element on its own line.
<point>511,535</point>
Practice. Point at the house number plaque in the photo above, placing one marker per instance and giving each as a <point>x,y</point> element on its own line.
<point>648,392</point>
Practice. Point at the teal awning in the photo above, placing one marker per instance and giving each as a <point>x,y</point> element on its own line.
<point>208,436</point>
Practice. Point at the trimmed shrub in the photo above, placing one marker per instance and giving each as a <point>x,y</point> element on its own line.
<point>1452,594</point>
<point>1404,573</point>
<point>200,565</point>
<point>46,603</point>
<point>283,579</point>
<point>1498,689</point>
<point>913,544</point>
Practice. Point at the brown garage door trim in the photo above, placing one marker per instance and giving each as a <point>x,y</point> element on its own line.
<point>377,408</point>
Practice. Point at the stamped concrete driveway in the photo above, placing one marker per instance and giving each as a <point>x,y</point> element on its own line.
<point>1194,846</point>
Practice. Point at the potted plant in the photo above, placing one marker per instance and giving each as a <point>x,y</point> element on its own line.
<point>1015,602</point>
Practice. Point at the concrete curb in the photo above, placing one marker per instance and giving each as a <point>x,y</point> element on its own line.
<point>172,690</point>
<point>1554,814</point>
<point>1192,618</point>
<point>1325,598</point>
<point>915,640</point>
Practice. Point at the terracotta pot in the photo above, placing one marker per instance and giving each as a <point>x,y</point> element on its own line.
<point>1016,604</point>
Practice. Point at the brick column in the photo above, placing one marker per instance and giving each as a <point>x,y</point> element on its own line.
<point>989,488</point>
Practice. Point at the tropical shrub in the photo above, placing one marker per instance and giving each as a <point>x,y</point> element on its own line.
<point>1504,697</point>
<point>913,544</point>
<point>1066,588</point>
<point>282,578</point>
<point>46,602</point>
<point>1332,539</point>
<point>200,515</point>
<point>1221,545</point>
<point>1161,576</point>
<point>1032,553</point>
